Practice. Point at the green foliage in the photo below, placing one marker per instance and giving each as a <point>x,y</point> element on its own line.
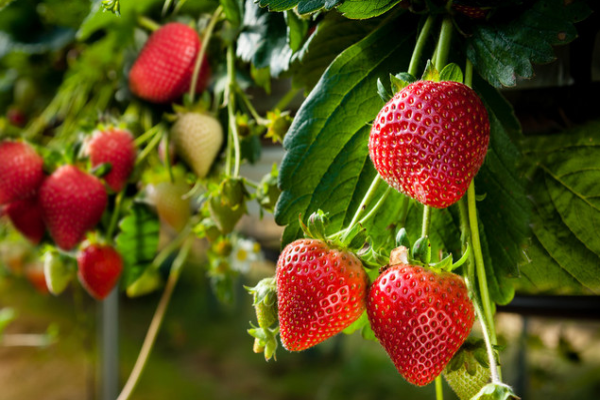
<point>358,9</point>
<point>503,49</point>
<point>565,250</point>
<point>137,242</point>
<point>304,6</point>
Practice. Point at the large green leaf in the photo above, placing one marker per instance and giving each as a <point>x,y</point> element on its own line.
<point>263,40</point>
<point>503,48</point>
<point>360,9</point>
<point>566,221</point>
<point>304,6</point>
<point>137,241</point>
<point>326,165</point>
<point>333,35</point>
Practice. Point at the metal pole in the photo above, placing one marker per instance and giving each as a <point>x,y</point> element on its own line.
<point>109,346</point>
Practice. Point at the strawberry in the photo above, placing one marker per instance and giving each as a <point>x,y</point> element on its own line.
<point>172,206</point>
<point>320,291</point>
<point>21,171</point>
<point>116,147</point>
<point>26,217</point>
<point>163,71</point>
<point>467,377</point>
<point>430,140</point>
<point>420,317</point>
<point>197,138</point>
<point>72,203</point>
<point>100,267</point>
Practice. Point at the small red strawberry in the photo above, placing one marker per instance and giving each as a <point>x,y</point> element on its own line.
<point>100,267</point>
<point>163,71</point>
<point>420,317</point>
<point>26,217</point>
<point>320,291</point>
<point>430,140</point>
<point>116,147</point>
<point>72,203</point>
<point>21,171</point>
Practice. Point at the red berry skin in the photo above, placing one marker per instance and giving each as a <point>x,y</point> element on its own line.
<point>21,171</point>
<point>26,217</point>
<point>100,267</point>
<point>116,147</point>
<point>163,71</point>
<point>430,140</point>
<point>72,203</point>
<point>320,291</point>
<point>421,318</point>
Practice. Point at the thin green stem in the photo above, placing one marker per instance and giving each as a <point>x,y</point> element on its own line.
<point>114,218</point>
<point>376,207</point>
<point>469,73</point>
<point>426,221</point>
<point>420,45</point>
<point>487,338</point>
<point>365,201</point>
<point>156,322</point>
<point>234,136</point>
<point>167,143</point>
<point>260,120</point>
<point>171,246</point>
<point>144,137</point>
<point>439,392</point>
<point>443,47</point>
<point>148,149</point>
<point>286,99</point>
<point>148,23</point>
<point>205,40</point>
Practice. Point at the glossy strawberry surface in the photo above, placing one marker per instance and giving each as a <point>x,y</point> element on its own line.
<point>114,146</point>
<point>421,318</point>
<point>21,171</point>
<point>72,203</point>
<point>99,269</point>
<point>320,292</point>
<point>430,140</point>
<point>26,217</point>
<point>163,70</point>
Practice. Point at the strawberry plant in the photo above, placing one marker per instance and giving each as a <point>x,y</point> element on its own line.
<point>410,201</point>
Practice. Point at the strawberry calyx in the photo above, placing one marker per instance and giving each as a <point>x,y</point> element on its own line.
<point>265,341</point>
<point>470,354</point>
<point>496,391</point>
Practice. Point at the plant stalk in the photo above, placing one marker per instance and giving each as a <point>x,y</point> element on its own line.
<point>205,40</point>
<point>420,45</point>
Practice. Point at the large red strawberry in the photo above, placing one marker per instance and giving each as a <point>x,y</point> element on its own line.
<point>26,217</point>
<point>420,317</point>
<point>21,171</point>
<point>114,146</point>
<point>430,140</point>
<point>100,267</point>
<point>163,71</point>
<point>320,291</point>
<point>72,203</point>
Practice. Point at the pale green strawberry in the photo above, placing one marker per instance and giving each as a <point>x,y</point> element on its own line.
<point>58,272</point>
<point>197,138</point>
<point>468,371</point>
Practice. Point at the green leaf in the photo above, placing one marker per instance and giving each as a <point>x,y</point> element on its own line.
<point>451,72</point>
<point>502,49</point>
<point>361,9</point>
<point>296,30</point>
<point>137,241</point>
<point>326,165</point>
<point>333,35</point>
<point>565,252</point>
<point>4,3</point>
<point>233,11</point>
<point>304,6</point>
<point>263,40</point>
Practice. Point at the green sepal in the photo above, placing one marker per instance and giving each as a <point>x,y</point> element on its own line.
<point>101,170</point>
<point>383,92</point>
<point>371,258</point>
<point>452,72</point>
<point>430,73</point>
<point>207,228</point>
<point>354,238</point>
<point>400,81</point>
<point>264,301</point>
<point>265,341</point>
<point>496,391</point>
<point>402,239</point>
<point>316,225</point>
<point>421,251</point>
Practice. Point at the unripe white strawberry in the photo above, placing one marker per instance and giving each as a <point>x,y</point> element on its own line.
<point>197,138</point>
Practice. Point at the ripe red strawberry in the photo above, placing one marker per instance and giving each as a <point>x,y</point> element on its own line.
<point>197,138</point>
<point>21,171</point>
<point>116,147</point>
<point>100,267</point>
<point>26,217</point>
<point>72,203</point>
<point>420,317</point>
<point>320,292</point>
<point>430,140</point>
<point>163,71</point>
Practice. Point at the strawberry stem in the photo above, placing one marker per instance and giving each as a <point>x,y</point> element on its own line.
<point>426,221</point>
<point>443,46</point>
<point>150,146</point>
<point>114,217</point>
<point>439,392</point>
<point>157,320</point>
<point>233,131</point>
<point>205,40</point>
<point>418,50</point>
<point>250,107</point>
<point>148,23</point>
